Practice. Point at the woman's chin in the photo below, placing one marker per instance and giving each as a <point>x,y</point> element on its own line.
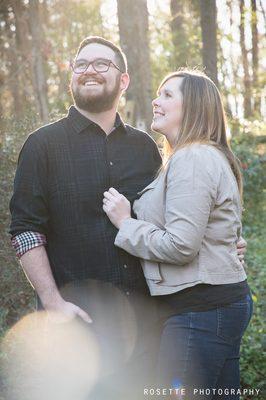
<point>155,127</point>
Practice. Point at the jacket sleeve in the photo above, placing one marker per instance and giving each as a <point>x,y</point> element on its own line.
<point>28,205</point>
<point>190,195</point>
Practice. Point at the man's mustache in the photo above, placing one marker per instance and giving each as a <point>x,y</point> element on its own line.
<point>95,77</point>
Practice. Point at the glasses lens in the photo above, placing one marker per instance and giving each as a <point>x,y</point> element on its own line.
<point>101,65</point>
<point>80,66</point>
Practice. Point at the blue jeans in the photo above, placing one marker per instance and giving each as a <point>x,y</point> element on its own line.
<point>200,350</point>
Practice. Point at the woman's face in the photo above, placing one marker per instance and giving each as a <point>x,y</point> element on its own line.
<point>167,109</point>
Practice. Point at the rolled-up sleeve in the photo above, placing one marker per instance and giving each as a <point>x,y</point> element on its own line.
<point>25,241</point>
<point>28,205</point>
<point>190,195</point>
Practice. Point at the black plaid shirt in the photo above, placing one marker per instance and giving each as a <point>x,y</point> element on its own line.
<point>63,170</point>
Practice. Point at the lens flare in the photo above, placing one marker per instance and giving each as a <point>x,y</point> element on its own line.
<point>114,320</point>
<point>46,360</point>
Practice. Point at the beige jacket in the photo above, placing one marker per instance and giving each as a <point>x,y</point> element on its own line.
<point>189,221</point>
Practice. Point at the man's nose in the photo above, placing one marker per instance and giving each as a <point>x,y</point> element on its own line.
<point>90,70</point>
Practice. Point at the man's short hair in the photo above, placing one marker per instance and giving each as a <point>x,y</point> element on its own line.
<point>119,55</point>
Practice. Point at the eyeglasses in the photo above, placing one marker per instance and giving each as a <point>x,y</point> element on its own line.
<point>99,65</point>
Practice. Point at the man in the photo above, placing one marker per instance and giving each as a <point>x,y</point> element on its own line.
<point>61,234</point>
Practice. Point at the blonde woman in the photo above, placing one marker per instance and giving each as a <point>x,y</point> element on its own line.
<point>189,222</point>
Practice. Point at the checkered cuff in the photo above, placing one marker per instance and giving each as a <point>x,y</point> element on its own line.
<point>26,241</point>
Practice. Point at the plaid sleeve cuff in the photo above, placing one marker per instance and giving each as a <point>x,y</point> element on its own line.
<point>26,241</point>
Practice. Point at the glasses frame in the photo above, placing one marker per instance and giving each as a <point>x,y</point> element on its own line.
<point>110,63</point>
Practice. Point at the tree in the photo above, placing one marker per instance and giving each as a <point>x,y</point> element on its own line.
<point>178,33</point>
<point>255,55</point>
<point>247,85</point>
<point>40,85</point>
<point>208,23</point>
<point>11,77</point>
<point>23,53</point>
<point>133,29</point>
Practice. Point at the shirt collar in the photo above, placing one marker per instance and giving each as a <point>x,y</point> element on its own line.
<point>80,122</point>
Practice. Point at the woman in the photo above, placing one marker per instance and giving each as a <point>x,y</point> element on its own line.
<point>189,221</point>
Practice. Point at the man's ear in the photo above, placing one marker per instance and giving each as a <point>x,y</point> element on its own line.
<point>124,82</point>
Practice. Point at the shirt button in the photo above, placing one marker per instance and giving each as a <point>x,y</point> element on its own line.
<point>111,163</point>
<point>127,293</point>
<point>125,265</point>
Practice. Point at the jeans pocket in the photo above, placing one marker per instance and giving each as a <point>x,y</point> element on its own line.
<point>232,320</point>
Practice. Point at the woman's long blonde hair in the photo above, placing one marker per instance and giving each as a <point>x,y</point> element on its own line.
<point>203,119</point>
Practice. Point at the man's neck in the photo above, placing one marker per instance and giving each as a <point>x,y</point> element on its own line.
<point>105,119</point>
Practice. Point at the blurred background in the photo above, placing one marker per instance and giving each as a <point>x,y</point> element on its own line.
<point>227,39</point>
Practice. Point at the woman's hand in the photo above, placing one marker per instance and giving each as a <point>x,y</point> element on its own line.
<point>116,206</point>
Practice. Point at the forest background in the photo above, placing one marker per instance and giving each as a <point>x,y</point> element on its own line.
<point>227,39</point>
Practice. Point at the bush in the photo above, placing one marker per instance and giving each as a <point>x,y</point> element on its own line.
<point>250,149</point>
<point>16,295</point>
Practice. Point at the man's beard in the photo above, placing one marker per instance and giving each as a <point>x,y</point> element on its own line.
<point>96,103</point>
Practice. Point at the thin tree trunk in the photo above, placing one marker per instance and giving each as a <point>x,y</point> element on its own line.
<point>133,29</point>
<point>235,65</point>
<point>209,42</point>
<point>23,48</point>
<point>255,55</point>
<point>225,89</point>
<point>263,13</point>
<point>247,86</point>
<point>14,71</point>
<point>178,33</point>
<point>38,62</point>
<point>2,120</point>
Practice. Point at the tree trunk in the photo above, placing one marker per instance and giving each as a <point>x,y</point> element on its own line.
<point>178,33</point>
<point>234,64</point>
<point>2,120</point>
<point>40,85</point>
<point>23,48</point>
<point>263,14</point>
<point>255,56</point>
<point>13,78</point>
<point>133,29</point>
<point>209,41</point>
<point>247,86</point>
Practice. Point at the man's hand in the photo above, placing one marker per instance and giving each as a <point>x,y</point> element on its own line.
<point>241,249</point>
<point>37,268</point>
<point>64,311</point>
<point>116,206</point>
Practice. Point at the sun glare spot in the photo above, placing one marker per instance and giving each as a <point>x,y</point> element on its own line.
<point>46,360</point>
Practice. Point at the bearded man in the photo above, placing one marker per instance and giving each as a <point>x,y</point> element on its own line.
<point>60,232</point>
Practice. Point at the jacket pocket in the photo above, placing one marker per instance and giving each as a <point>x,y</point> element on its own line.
<point>151,186</point>
<point>152,270</point>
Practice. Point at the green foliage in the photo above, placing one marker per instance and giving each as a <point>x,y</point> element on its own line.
<point>250,149</point>
<point>254,343</point>
<point>16,295</point>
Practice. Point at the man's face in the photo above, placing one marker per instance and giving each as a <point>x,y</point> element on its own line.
<point>97,91</point>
